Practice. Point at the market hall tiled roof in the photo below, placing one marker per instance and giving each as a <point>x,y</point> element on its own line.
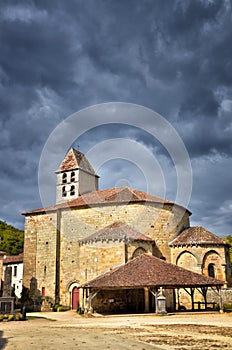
<point>149,271</point>
<point>196,235</point>
<point>117,231</point>
<point>75,160</point>
<point>121,195</point>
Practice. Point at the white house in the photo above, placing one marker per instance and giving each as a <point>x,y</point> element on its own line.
<point>16,263</point>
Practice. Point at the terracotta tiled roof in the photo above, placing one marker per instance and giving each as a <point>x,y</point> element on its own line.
<point>196,235</point>
<point>116,232</point>
<point>11,259</point>
<point>149,271</point>
<point>75,160</point>
<point>121,195</point>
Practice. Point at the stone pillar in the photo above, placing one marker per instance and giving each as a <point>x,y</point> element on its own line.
<point>7,301</point>
<point>146,298</point>
<point>161,303</point>
<point>224,277</point>
<point>1,269</point>
<point>7,282</point>
<point>199,268</point>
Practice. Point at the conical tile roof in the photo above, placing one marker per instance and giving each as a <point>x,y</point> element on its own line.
<point>116,232</point>
<point>75,160</point>
<point>120,195</point>
<point>196,235</point>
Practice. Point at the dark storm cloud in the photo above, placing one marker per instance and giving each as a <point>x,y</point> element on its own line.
<point>172,56</point>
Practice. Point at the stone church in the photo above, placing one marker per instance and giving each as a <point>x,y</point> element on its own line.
<point>90,232</point>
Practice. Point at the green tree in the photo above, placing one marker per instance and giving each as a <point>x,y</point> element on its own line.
<point>228,239</point>
<point>11,239</point>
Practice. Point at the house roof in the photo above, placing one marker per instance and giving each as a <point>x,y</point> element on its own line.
<point>75,160</point>
<point>196,235</point>
<point>149,271</point>
<point>120,195</point>
<point>116,232</point>
<point>13,259</point>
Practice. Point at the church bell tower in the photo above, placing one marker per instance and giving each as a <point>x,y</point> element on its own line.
<point>75,176</point>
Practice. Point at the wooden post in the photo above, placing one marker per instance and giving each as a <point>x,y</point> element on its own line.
<point>154,293</point>
<point>174,299</point>
<point>83,301</point>
<point>156,304</point>
<point>192,290</point>
<point>220,301</point>
<point>146,299</point>
<point>178,298</point>
<point>125,249</point>
<point>204,293</point>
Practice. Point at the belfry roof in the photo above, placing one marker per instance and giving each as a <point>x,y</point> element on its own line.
<point>120,195</point>
<point>149,271</point>
<point>196,235</point>
<point>75,160</point>
<point>116,232</point>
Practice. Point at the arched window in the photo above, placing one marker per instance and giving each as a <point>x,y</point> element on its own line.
<point>64,193</point>
<point>138,252</point>
<point>72,190</point>
<point>211,270</point>
<point>64,178</point>
<point>72,179</point>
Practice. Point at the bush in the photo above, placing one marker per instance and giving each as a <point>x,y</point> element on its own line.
<point>10,318</point>
<point>80,311</point>
<point>18,316</point>
<point>59,308</point>
<point>226,307</point>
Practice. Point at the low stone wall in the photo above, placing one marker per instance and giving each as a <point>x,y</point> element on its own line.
<point>6,305</point>
<point>110,301</point>
<point>213,299</point>
<point>226,294</point>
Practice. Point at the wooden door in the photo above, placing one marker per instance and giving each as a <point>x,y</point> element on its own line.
<point>75,298</point>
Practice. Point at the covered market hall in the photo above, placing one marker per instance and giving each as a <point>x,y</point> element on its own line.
<point>135,287</point>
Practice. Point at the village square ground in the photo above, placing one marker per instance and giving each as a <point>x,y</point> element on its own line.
<point>68,330</point>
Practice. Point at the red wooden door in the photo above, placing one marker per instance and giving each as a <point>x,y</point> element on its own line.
<point>75,298</point>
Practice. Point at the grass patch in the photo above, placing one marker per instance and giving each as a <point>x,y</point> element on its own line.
<point>40,317</point>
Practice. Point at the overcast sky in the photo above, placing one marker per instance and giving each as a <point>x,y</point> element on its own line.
<point>174,57</point>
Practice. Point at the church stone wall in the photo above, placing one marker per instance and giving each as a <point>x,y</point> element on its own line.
<point>79,263</point>
<point>30,247</point>
<point>87,182</point>
<point>161,224</point>
<point>46,254</point>
<point>76,264</point>
<point>40,252</point>
<point>69,267</point>
<point>198,258</point>
<point>99,257</point>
